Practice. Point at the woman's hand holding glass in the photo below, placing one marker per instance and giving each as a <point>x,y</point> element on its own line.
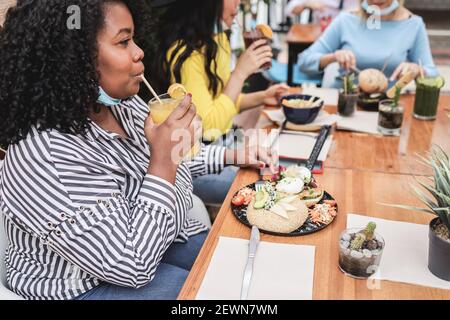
<point>251,60</point>
<point>171,140</point>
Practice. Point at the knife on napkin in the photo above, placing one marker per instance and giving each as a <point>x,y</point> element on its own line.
<point>252,247</point>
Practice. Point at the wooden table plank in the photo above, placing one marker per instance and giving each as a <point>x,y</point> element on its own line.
<point>356,192</point>
<point>303,33</point>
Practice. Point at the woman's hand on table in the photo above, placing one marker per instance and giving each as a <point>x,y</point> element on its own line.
<point>346,59</point>
<point>273,94</point>
<point>405,67</point>
<point>256,157</point>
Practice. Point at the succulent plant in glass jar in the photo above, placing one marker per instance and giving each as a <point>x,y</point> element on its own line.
<point>360,251</point>
<point>390,115</point>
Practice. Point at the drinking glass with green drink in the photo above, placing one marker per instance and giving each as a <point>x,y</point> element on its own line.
<point>427,97</point>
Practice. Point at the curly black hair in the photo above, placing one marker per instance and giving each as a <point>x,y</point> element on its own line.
<point>48,71</point>
<point>190,25</point>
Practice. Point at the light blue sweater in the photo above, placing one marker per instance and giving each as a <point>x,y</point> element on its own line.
<point>404,41</point>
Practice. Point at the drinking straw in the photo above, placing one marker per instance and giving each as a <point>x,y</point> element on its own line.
<point>356,69</point>
<point>421,69</point>
<point>386,62</point>
<point>345,86</point>
<point>151,89</point>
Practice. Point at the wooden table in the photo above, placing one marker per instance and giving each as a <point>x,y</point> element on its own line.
<point>359,180</point>
<point>299,38</point>
<point>389,154</point>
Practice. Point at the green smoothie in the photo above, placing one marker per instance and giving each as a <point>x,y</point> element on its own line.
<point>427,97</point>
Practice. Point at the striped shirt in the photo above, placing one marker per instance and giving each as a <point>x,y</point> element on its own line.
<point>79,210</point>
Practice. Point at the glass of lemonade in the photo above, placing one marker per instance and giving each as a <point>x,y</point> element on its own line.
<point>261,32</point>
<point>427,97</point>
<point>161,111</point>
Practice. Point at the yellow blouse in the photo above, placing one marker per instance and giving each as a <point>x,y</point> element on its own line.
<point>217,111</point>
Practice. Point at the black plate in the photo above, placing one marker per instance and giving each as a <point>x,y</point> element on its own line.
<point>240,212</point>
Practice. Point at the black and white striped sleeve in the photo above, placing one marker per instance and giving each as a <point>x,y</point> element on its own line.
<point>115,240</point>
<point>210,160</point>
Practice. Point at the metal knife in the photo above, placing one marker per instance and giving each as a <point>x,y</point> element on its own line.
<point>253,246</point>
<point>321,138</point>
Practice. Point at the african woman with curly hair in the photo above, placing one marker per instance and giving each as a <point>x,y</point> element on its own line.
<point>94,204</point>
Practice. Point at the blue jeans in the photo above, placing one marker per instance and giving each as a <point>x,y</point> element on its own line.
<point>169,278</point>
<point>213,188</point>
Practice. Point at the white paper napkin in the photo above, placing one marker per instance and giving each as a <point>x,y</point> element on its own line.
<point>405,256</point>
<point>280,271</point>
<point>360,121</point>
<point>299,145</point>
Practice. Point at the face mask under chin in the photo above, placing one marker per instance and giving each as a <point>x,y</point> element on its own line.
<point>107,100</point>
<point>373,9</point>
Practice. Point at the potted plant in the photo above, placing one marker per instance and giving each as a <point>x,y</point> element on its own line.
<point>439,205</point>
<point>390,115</point>
<point>360,251</point>
<point>348,96</point>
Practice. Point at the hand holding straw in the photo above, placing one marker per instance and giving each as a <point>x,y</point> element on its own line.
<point>151,89</point>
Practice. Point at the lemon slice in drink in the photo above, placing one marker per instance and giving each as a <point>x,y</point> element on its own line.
<point>265,30</point>
<point>177,91</point>
<point>437,82</point>
<point>440,82</point>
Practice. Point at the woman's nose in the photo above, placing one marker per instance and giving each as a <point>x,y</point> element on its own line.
<point>138,54</point>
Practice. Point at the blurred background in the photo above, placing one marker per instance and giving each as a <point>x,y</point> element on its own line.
<point>436,14</point>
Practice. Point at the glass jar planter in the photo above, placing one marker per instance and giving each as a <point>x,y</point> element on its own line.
<point>361,263</point>
<point>390,118</point>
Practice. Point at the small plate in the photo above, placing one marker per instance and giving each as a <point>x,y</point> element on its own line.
<point>240,212</point>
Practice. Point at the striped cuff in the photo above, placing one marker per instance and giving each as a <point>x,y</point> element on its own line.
<point>157,190</point>
<point>214,159</point>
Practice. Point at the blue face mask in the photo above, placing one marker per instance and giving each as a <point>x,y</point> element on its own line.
<point>383,12</point>
<point>105,99</point>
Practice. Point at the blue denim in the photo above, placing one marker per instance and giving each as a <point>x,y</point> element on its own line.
<point>168,281</point>
<point>213,188</point>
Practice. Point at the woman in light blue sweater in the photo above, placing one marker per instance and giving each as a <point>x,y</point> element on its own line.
<point>383,32</point>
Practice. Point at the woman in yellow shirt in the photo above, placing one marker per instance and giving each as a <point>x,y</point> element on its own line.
<point>194,50</point>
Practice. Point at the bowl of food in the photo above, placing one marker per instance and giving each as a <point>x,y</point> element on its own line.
<point>301,108</point>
